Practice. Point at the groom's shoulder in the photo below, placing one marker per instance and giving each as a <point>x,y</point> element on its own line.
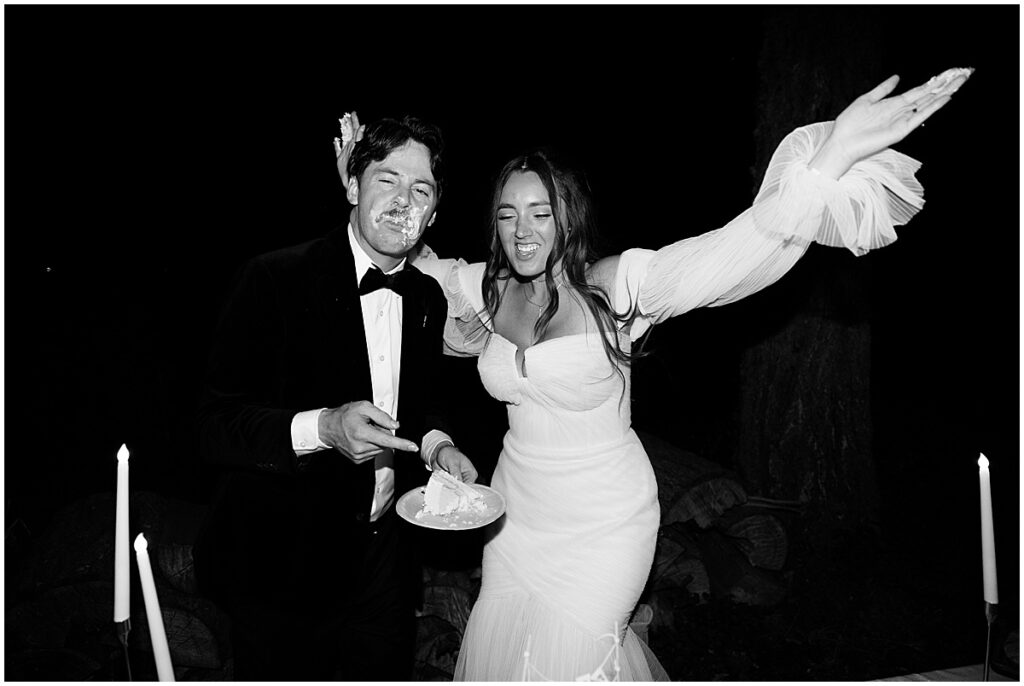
<point>304,255</point>
<point>426,284</point>
<point>429,290</point>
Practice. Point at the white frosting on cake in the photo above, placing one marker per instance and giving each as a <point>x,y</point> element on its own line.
<point>445,494</point>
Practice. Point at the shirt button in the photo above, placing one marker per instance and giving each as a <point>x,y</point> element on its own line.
<point>381,313</point>
<point>381,358</point>
<point>302,444</point>
<point>381,403</point>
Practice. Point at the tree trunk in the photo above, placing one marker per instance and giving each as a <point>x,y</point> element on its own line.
<point>804,414</point>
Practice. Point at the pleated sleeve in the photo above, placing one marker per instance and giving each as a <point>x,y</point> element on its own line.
<point>467,326</point>
<point>794,207</point>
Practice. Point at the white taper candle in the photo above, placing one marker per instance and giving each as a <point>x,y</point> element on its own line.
<point>988,544</point>
<point>161,653</point>
<point>122,558</point>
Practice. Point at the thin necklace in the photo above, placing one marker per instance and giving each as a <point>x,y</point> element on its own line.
<point>540,308</point>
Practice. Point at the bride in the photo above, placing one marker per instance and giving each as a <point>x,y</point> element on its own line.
<point>553,326</point>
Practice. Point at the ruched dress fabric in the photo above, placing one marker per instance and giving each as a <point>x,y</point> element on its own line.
<point>564,568</point>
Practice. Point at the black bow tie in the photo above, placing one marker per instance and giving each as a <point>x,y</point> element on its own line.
<point>375,278</point>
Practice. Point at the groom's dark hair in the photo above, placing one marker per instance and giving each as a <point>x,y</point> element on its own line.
<point>383,137</point>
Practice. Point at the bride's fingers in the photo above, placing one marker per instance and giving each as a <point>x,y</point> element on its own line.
<point>919,117</point>
<point>956,84</point>
<point>949,81</point>
<point>946,89</point>
<point>357,128</point>
<point>921,103</point>
<point>946,83</point>
<point>914,95</point>
<point>883,89</point>
<point>923,100</point>
<point>937,86</point>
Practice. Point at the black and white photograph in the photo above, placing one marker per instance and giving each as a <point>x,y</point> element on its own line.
<point>521,342</point>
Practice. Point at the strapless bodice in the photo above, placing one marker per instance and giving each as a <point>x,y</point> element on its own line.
<point>571,396</point>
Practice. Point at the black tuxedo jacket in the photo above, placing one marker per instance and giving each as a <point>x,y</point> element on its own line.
<point>291,339</point>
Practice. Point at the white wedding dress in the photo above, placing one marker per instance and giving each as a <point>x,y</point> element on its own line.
<point>564,568</point>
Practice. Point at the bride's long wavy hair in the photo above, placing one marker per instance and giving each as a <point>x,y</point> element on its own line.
<point>575,238</point>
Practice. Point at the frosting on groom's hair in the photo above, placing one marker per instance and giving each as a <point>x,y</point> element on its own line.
<point>383,137</point>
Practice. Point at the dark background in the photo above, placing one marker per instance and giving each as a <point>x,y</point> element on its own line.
<point>150,151</point>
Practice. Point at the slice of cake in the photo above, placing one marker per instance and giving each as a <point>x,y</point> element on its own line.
<point>445,494</point>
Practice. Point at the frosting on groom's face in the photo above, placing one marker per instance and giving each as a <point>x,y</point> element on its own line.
<point>394,203</point>
<point>407,218</point>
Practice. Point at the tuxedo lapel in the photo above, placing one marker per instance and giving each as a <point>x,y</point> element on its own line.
<point>413,318</point>
<point>342,316</point>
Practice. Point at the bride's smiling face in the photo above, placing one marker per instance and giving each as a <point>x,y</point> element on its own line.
<point>526,224</point>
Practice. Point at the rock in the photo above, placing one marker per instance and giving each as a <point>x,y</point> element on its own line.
<point>449,602</point>
<point>46,620</point>
<point>677,562</point>
<point>733,576</point>
<point>196,630</point>
<point>77,546</point>
<point>437,648</point>
<point>665,603</point>
<point>759,535</point>
<point>678,576</point>
<point>175,564</point>
<point>171,527</point>
<point>641,620</point>
<point>51,664</point>
<point>690,488</point>
<point>705,501</point>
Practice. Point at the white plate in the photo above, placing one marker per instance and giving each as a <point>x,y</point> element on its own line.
<point>410,508</point>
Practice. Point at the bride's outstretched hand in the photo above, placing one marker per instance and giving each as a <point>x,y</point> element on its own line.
<point>874,121</point>
<point>351,132</point>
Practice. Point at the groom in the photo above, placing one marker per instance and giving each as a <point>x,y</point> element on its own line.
<point>321,407</point>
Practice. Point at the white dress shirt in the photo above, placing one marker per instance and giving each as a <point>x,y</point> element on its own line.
<point>382,323</point>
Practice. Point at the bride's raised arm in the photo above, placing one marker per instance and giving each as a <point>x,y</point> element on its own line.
<point>835,183</point>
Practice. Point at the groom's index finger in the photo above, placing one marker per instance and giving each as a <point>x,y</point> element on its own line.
<point>386,439</point>
<point>379,428</point>
<point>375,415</point>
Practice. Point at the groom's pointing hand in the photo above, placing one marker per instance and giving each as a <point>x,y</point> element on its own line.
<point>360,431</point>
